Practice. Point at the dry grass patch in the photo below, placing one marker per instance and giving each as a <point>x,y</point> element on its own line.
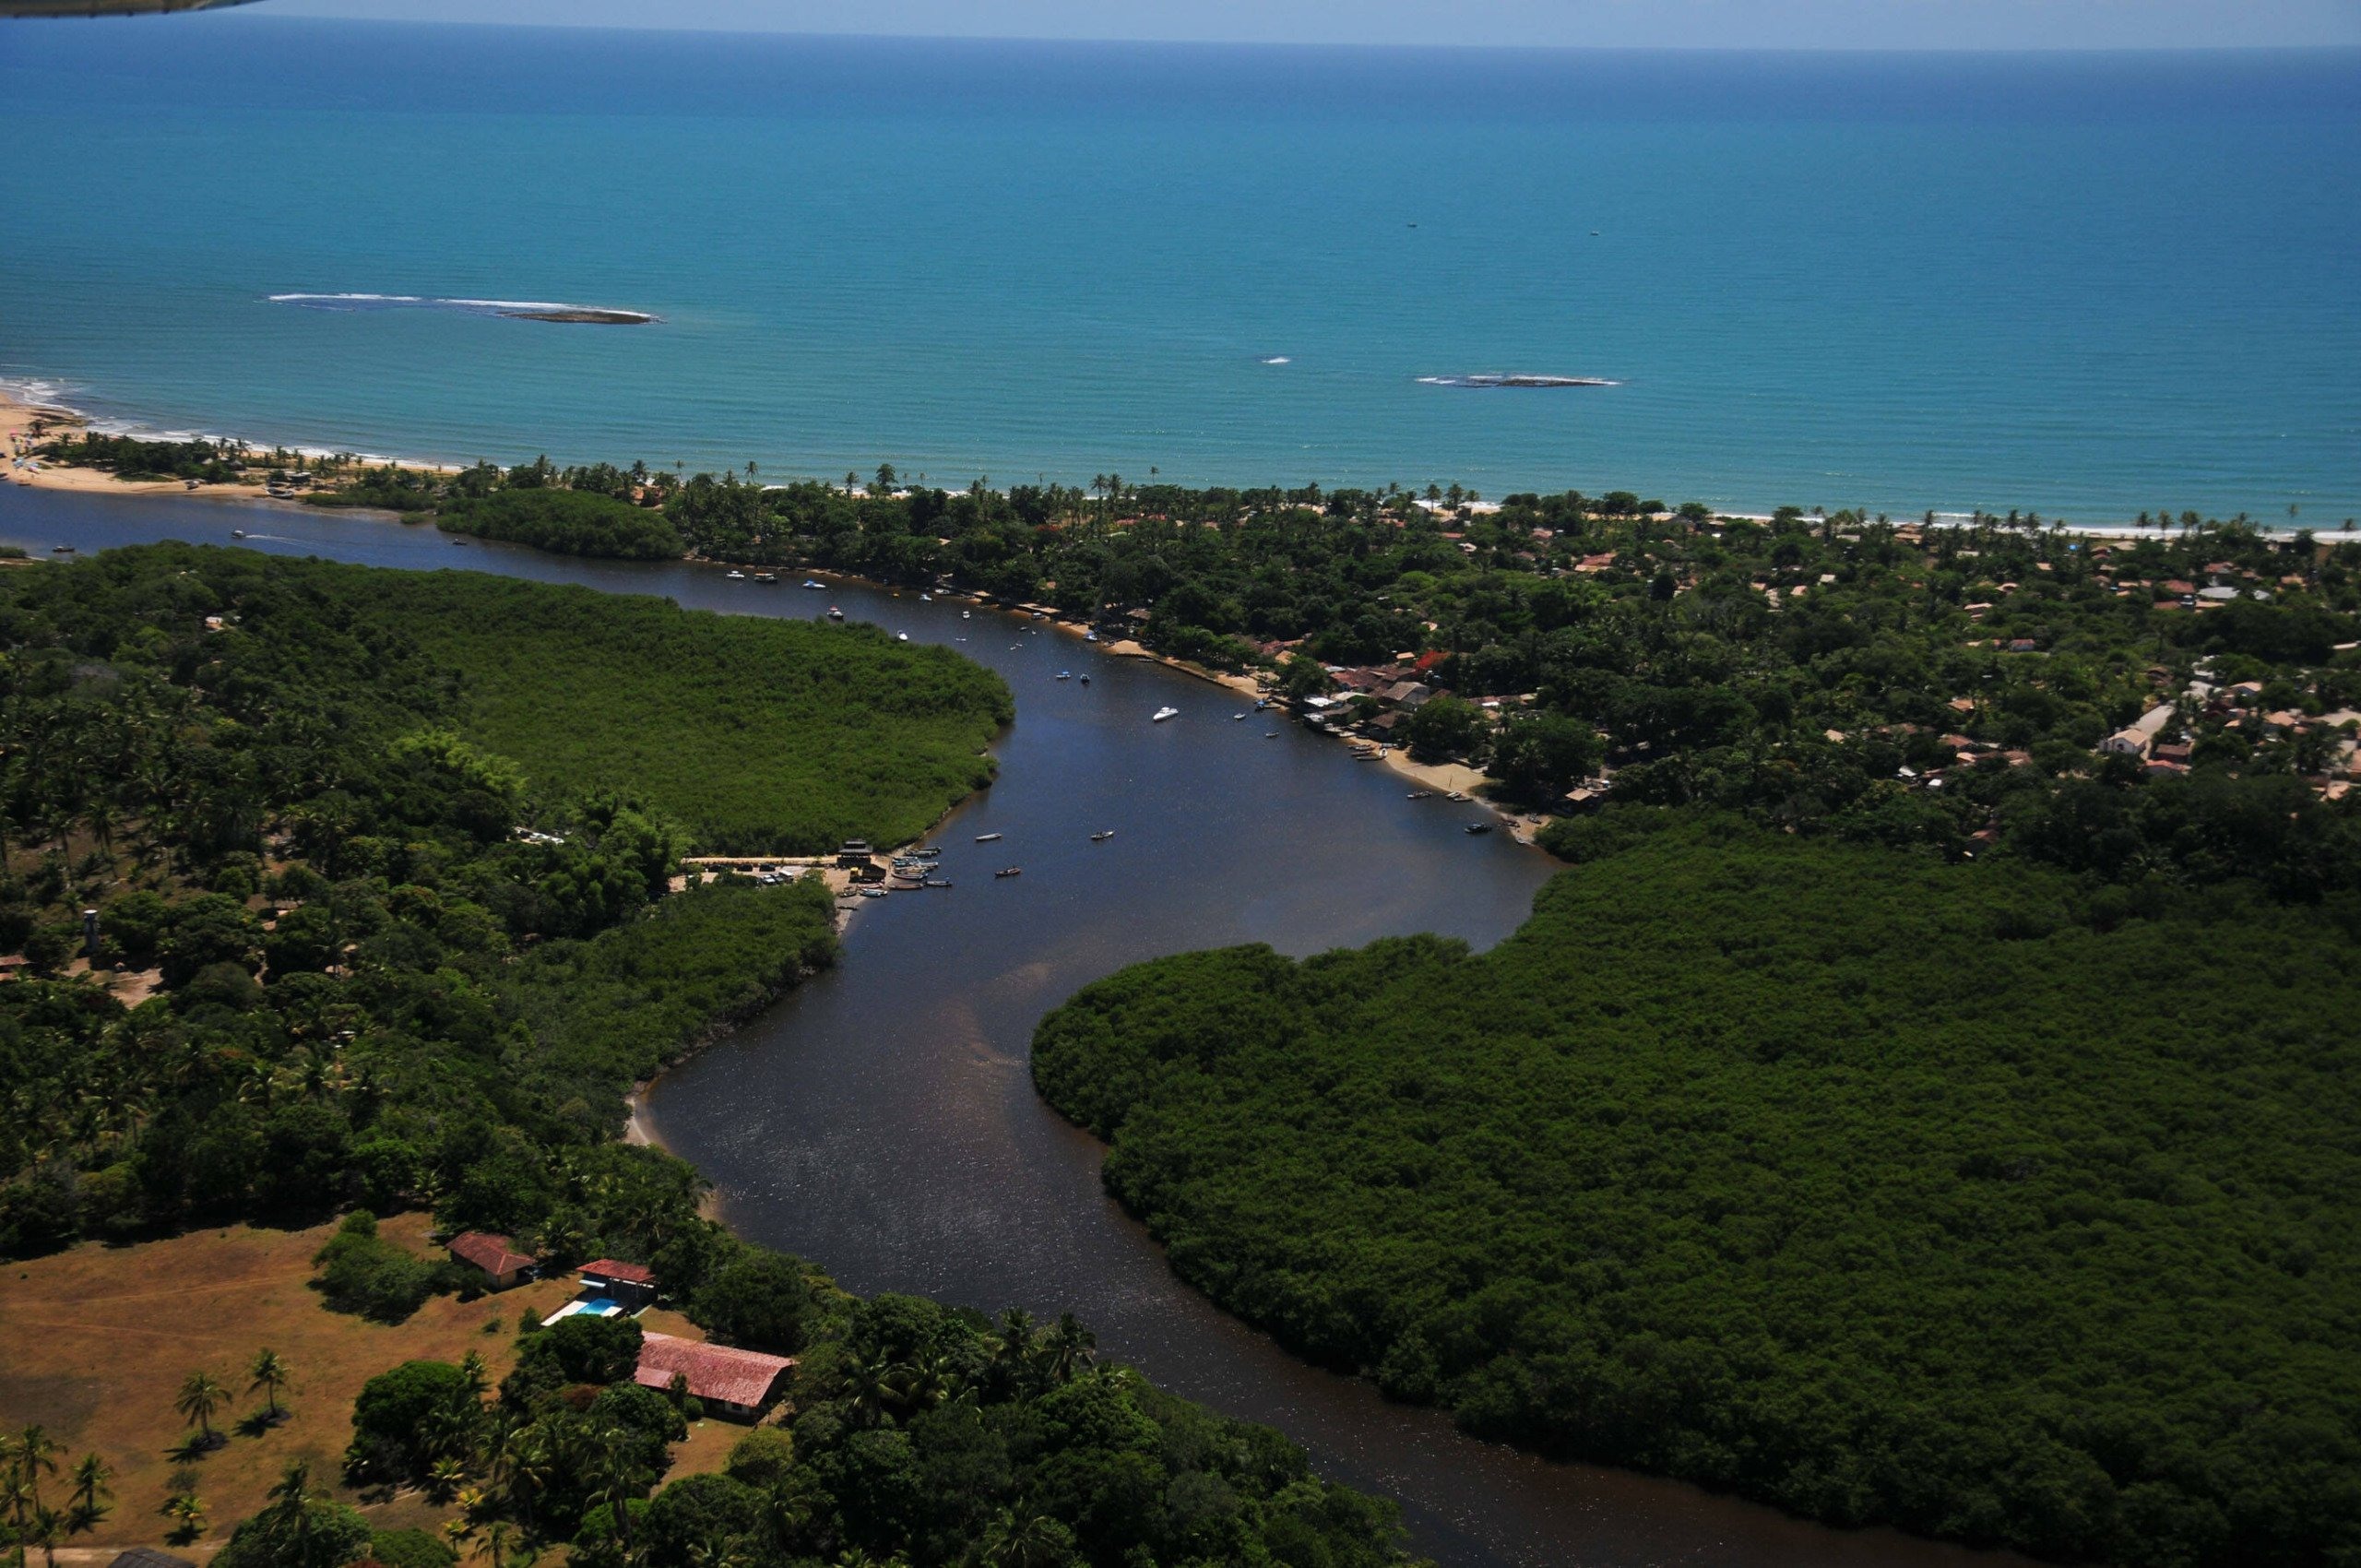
<point>94,1344</point>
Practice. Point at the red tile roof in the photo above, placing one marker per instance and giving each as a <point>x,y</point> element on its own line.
<point>493,1254</point>
<point>629,1272</point>
<point>715,1371</point>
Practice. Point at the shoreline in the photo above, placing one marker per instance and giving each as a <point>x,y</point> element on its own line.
<point>18,411</point>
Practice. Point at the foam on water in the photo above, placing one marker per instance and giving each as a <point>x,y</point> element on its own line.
<point>359,301</point>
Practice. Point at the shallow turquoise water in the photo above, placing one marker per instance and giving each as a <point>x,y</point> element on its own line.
<point>2088,286</point>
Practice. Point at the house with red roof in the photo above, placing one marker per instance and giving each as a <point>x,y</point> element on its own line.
<point>631,1286</point>
<point>728,1382</point>
<point>495,1257</point>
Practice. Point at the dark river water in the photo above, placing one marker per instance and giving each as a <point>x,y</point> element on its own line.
<point>881,1122</point>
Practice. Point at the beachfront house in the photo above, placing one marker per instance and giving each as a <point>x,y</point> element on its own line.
<point>495,1257</point>
<point>737,1384</point>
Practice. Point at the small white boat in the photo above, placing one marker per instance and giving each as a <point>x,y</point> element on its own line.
<point>872,893</point>
<point>810,584</point>
<point>1064,675</point>
<point>926,598</point>
<point>1102,837</point>
<point>967,615</point>
<point>1270,735</point>
<point>1011,871</point>
<point>1237,716</point>
<point>834,614</point>
<point>766,577</point>
<point>1090,637</point>
<point>237,533</point>
<point>736,576</point>
<point>988,837</point>
<point>1164,713</point>
<point>901,636</point>
<point>1454,795</point>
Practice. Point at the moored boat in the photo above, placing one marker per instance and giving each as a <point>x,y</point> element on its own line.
<point>1162,714</point>
<point>834,614</point>
<point>988,837</point>
<point>1010,871</point>
<point>1101,838</point>
<point>810,583</point>
<point>1478,827</point>
<point>735,576</point>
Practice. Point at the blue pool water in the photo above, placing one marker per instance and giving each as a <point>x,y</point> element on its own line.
<point>2088,285</point>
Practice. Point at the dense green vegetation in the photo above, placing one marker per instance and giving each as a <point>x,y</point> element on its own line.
<point>920,1436</point>
<point>565,522</point>
<point>129,457</point>
<point>1960,1197</point>
<point>757,735</point>
<point>397,967</point>
<point>1907,684</point>
<point>409,924</point>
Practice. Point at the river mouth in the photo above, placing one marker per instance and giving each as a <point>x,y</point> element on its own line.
<point>882,1123</point>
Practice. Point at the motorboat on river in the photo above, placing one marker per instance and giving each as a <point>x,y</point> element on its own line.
<point>1010,871</point>
<point>810,583</point>
<point>834,614</point>
<point>771,577</point>
<point>735,576</point>
<point>1102,837</point>
<point>1164,713</point>
<point>1478,827</point>
<point>1065,674</point>
<point>988,837</point>
<point>901,636</point>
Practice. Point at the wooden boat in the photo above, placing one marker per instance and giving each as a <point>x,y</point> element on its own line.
<point>988,837</point>
<point>1010,871</point>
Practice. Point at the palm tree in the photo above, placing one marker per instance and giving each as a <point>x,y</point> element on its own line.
<point>42,1528</point>
<point>270,1373</point>
<point>201,1396</point>
<point>92,1492</point>
<point>186,1511</point>
<point>1034,1540</point>
<point>1068,1348</point>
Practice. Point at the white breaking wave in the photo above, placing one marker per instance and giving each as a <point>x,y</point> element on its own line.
<point>354,301</point>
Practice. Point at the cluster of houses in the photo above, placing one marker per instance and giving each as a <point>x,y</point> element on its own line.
<point>740,1385</point>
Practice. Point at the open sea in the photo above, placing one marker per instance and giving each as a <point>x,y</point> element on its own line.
<point>2086,285</point>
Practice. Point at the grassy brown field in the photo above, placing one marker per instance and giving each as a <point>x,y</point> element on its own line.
<point>94,1343</point>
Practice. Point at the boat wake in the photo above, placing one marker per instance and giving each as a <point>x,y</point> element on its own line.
<point>1490,381</point>
<point>521,310</point>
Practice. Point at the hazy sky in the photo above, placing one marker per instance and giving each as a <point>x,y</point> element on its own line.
<point>1736,24</point>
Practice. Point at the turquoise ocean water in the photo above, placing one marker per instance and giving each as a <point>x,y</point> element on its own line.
<point>2087,285</point>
